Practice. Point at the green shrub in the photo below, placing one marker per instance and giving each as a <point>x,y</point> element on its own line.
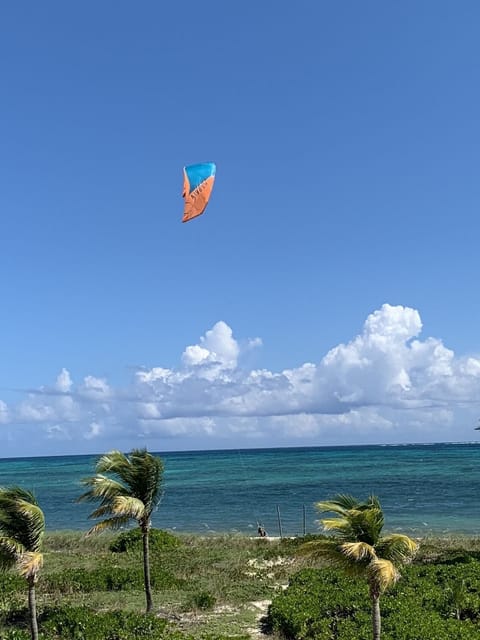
<point>80,623</point>
<point>15,634</point>
<point>108,578</point>
<point>430,602</point>
<point>11,582</point>
<point>203,600</point>
<point>132,541</point>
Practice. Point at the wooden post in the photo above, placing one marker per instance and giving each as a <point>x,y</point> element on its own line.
<point>279,522</point>
<point>304,522</point>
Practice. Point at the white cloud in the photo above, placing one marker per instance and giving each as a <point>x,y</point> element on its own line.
<point>95,388</point>
<point>64,382</point>
<point>217,352</point>
<point>195,355</point>
<point>57,432</point>
<point>221,345</point>
<point>385,383</point>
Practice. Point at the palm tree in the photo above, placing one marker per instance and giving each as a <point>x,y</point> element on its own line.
<point>359,548</point>
<point>131,491</point>
<point>22,527</point>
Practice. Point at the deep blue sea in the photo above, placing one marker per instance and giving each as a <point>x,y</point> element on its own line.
<point>423,488</point>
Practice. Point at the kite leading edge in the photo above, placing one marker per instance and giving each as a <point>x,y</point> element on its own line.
<point>198,182</point>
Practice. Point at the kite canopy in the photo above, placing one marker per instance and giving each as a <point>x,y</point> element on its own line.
<point>198,182</point>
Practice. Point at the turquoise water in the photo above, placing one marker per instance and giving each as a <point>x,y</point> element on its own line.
<point>423,488</point>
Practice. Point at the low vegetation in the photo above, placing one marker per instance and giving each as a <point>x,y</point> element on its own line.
<point>202,587</point>
<point>219,588</point>
<point>432,602</point>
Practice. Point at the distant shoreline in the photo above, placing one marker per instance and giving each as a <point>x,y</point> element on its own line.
<point>77,533</point>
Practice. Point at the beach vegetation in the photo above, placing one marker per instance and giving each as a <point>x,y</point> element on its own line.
<point>109,577</point>
<point>219,588</point>
<point>358,547</point>
<point>321,603</point>
<point>22,528</point>
<point>203,600</point>
<point>204,587</point>
<point>132,540</point>
<point>85,623</point>
<point>127,487</point>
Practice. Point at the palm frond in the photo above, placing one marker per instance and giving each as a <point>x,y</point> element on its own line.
<point>329,552</point>
<point>397,548</point>
<point>372,502</point>
<point>382,573</point>
<point>341,504</point>
<point>362,521</point>
<point>110,461</point>
<point>102,487</point>
<point>10,551</point>
<point>9,494</point>
<point>102,511</point>
<point>21,519</point>
<point>316,547</point>
<point>110,523</point>
<point>129,507</point>
<point>358,547</point>
<point>366,523</point>
<point>358,551</point>
<point>146,475</point>
<point>34,524</point>
<point>29,564</point>
<point>118,464</point>
<point>342,525</point>
<point>132,492</point>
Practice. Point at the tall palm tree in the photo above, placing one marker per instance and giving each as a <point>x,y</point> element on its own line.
<point>22,527</point>
<point>359,548</point>
<point>127,488</point>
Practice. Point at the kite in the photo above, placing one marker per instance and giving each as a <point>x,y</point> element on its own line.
<point>198,182</point>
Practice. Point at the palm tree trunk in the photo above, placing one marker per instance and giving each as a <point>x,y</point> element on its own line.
<point>376,618</point>
<point>32,607</point>
<point>146,568</point>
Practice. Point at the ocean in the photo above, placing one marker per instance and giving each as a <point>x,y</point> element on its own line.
<point>423,489</point>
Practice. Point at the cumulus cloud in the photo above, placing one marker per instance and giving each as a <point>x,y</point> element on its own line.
<point>64,382</point>
<point>95,389</point>
<point>218,351</point>
<point>385,382</point>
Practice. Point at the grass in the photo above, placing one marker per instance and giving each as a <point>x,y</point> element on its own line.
<point>205,586</point>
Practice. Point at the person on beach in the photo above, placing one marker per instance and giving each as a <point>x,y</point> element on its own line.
<point>261,531</point>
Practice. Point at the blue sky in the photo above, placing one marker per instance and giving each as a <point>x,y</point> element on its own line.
<point>329,295</point>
